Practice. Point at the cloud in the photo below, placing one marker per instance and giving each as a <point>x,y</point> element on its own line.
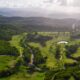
<point>37,3</point>
<point>49,6</point>
<point>20,3</point>
<point>74,3</point>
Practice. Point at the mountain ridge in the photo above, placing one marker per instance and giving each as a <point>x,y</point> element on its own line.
<point>41,23</point>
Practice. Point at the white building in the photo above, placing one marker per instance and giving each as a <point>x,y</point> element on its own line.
<point>62,42</point>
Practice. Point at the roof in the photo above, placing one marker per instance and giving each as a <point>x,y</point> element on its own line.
<point>62,42</point>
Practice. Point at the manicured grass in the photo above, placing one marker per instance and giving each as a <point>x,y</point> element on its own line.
<point>51,61</point>
<point>16,42</point>
<point>77,54</point>
<point>71,78</point>
<point>25,76</point>
<point>5,62</point>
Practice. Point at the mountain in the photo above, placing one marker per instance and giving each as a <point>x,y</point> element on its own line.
<point>10,26</point>
<point>21,12</point>
<point>40,23</point>
<point>36,13</point>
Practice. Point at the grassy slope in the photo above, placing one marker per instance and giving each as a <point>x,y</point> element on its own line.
<point>6,61</point>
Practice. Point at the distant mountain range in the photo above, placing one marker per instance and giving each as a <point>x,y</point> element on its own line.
<point>36,13</point>
<point>41,23</point>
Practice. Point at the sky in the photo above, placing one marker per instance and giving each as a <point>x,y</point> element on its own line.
<point>49,6</point>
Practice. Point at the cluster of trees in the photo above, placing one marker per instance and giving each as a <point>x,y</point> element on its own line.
<point>10,70</point>
<point>55,50</point>
<point>6,49</point>
<point>71,49</point>
<point>66,50</point>
<point>26,55</point>
<point>38,58</point>
<point>37,38</point>
<point>56,74</point>
<point>8,30</point>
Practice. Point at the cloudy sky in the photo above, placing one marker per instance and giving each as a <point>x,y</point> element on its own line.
<point>49,6</point>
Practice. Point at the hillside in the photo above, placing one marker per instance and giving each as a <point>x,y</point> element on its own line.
<point>40,23</point>
<point>37,55</point>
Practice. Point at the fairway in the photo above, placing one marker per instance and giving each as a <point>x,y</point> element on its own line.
<point>41,45</point>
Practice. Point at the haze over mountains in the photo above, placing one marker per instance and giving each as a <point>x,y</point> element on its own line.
<point>36,13</point>
<point>40,23</point>
<point>38,19</point>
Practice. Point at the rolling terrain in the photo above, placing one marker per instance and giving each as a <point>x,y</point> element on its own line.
<point>37,48</point>
<point>58,61</point>
<point>40,23</point>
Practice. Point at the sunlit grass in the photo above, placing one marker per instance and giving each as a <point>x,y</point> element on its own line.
<point>5,61</point>
<point>77,54</point>
<point>16,42</point>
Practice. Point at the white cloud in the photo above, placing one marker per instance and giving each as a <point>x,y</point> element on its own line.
<point>20,3</point>
<point>48,5</point>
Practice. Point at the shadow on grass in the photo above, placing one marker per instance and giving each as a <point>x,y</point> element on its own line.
<point>38,39</point>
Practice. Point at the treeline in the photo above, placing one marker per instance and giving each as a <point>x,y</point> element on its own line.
<point>38,58</point>
<point>8,30</point>
<point>63,74</point>
<point>10,70</point>
<point>6,49</point>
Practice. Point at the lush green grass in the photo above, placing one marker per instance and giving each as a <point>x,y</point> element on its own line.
<point>16,42</point>
<point>5,62</point>
<point>26,76</point>
<point>51,61</point>
<point>77,54</point>
<point>71,78</point>
<point>23,75</point>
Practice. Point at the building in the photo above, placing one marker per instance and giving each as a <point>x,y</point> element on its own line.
<point>62,42</point>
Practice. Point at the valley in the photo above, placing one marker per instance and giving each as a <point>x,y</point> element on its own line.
<point>40,56</point>
<point>39,49</point>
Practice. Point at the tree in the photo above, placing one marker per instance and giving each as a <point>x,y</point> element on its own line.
<point>6,49</point>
